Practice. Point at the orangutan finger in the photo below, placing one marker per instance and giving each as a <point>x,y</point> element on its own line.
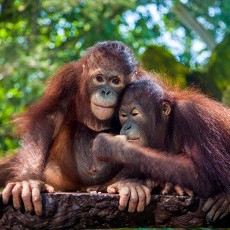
<point>167,188</point>
<point>26,196</point>
<point>124,197</point>
<point>147,195</point>
<point>141,199</point>
<point>223,215</point>
<point>49,188</point>
<point>112,189</point>
<point>16,193</point>
<point>133,201</point>
<point>7,192</point>
<point>179,190</point>
<point>214,209</point>
<point>209,203</point>
<point>222,210</point>
<point>37,202</point>
<point>189,192</point>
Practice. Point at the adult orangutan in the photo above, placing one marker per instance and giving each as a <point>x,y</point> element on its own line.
<point>57,132</point>
<point>186,139</point>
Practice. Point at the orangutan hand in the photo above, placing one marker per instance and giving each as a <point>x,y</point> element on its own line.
<point>133,194</point>
<point>217,207</point>
<point>170,188</point>
<point>29,191</point>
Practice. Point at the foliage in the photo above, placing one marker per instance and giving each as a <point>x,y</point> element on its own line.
<point>219,68</point>
<point>36,37</point>
<point>156,58</point>
<point>214,79</point>
<point>226,96</point>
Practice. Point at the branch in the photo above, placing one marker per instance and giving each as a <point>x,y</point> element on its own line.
<point>100,211</point>
<point>189,21</point>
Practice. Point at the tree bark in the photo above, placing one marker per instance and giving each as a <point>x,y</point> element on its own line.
<point>186,18</point>
<point>81,211</point>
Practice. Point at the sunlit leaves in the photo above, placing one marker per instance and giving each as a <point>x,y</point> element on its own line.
<point>219,68</point>
<point>37,37</point>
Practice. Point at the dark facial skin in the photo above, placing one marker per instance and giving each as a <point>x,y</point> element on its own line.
<point>104,89</point>
<point>135,123</point>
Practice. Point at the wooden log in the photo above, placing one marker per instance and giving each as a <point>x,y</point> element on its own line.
<point>81,211</point>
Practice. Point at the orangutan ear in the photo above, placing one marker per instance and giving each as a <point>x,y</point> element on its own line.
<point>166,108</point>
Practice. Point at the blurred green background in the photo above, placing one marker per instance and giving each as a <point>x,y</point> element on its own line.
<point>188,40</point>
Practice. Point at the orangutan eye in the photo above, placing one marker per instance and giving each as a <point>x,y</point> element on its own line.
<point>99,78</point>
<point>135,112</point>
<point>116,81</point>
<point>123,115</point>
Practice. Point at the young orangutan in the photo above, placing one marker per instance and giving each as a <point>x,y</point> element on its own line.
<point>186,137</point>
<point>57,132</point>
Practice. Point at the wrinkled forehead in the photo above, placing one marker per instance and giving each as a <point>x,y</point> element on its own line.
<point>93,71</point>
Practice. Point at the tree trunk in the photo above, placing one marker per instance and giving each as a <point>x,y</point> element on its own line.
<point>186,18</point>
<point>81,211</point>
